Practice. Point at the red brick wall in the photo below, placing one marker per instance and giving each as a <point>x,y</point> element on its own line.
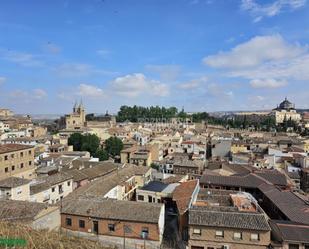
<point>135,227</point>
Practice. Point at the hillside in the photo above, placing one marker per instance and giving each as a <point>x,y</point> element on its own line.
<point>44,239</point>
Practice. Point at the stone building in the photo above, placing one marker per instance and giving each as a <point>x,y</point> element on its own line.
<point>77,119</point>
<point>223,219</point>
<point>285,111</point>
<point>17,160</point>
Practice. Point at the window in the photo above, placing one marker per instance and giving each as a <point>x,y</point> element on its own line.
<point>12,155</point>
<point>13,168</point>
<point>237,236</point>
<point>293,246</point>
<point>196,231</point>
<point>29,152</point>
<point>30,163</point>
<point>53,189</point>
<point>21,165</point>
<point>21,154</point>
<point>255,236</point>
<point>18,191</point>
<point>219,234</point>
<point>6,158</point>
<point>60,189</point>
<point>140,197</point>
<point>68,222</point>
<point>6,170</point>
<point>111,227</point>
<point>69,183</point>
<point>81,223</point>
<point>145,232</point>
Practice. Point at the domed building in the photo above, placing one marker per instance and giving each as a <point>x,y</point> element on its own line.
<point>285,111</point>
<point>285,105</point>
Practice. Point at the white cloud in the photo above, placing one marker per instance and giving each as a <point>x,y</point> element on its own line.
<point>166,72</point>
<point>79,70</point>
<point>21,58</point>
<point>2,80</point>
<point>218,91</point>
<point>161,90</point>
<point>259,11</point>
<point>133,85</point>
<point>28,96</point>
<point>266,61</point>
<point>268,83</point>
<point>39,94</point>
<point>256,51</point>
<point>18,94</point>
<point>193,84</point>
<point>87,90</point>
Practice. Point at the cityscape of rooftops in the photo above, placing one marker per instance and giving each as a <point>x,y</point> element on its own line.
<point>154,124</point>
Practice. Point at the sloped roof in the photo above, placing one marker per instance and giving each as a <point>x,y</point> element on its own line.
<point>239,220</point>
<point>22,211</point>
<point>290,231</point>
<point>13,182</point>
<point>183,195</point>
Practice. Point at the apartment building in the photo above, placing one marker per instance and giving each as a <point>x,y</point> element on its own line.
<point>14,188</point>
<point>223,219</point>
<point>17,160</point>
<point>51,189</point>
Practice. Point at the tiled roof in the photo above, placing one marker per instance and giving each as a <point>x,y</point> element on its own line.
<point>22,211</point>
<point>13,182</point>
<point>183,195</point>
<point>114,209</point>
<point>239,220</point>
<point>103,185</point>
<point>247,181</point>
<point>293,207</point>
<point>6,148</point>
<point>273,176</point>
<point>290,231</point>
<point>47,182</point>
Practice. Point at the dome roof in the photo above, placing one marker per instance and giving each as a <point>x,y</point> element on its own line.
<point>286,105</point>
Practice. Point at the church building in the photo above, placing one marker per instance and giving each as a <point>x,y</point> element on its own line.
<point>77,119</point>
<point>285,111</point>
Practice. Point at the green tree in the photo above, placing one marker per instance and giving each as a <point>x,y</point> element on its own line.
<point>87,142</point>
<point>113,146</point>
<point>102,154</point>
<point>76,140</point>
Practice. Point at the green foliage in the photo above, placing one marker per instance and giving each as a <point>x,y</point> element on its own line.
<point>135,113</point>
<point>87,142</point>
<point>200,116</point>
<point>102,154</point>
<point>113,146</point>
<point>76,140</point>
<point>154,166</point>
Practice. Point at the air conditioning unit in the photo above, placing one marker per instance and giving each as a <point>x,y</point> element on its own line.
<point>226,247</point>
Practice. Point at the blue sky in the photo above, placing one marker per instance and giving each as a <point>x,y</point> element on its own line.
<point>205,55</point>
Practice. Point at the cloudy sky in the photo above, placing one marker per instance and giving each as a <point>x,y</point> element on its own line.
<point>205,55</point>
